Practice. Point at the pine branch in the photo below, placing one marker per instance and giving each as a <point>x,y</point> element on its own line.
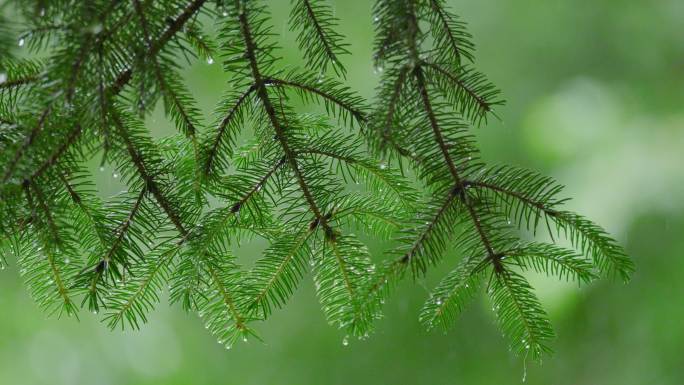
<point>450,32</point>
<point>328,92</point>
<point>150,182</point>
<point>262,94</point>
<point>230,122</point>
<point>122,79</point>
<point>17,82</point>
<point>28,141</point>
<point>426,78</point>
<point>520,314</point>
<point>53,238</point>
<point>317,38</point>
<point>303,183</point>
<point>275,276</point>
<point>52,159</point>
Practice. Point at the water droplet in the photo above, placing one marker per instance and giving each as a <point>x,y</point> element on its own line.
<point>345,341</point>
<point>383,166</point>
<point>3,77</point>
<point>244,339</point>
<point>210,60</point>
<point>42,12</point>
<point>376,19</point>
<point>438,301</point>
<point>378,69</point>
<point>228,347</point>
<point>224,14</point>
<point>115,175</point>
<point>101,168</point>
<point>67,261</point>
<point>21,42</point>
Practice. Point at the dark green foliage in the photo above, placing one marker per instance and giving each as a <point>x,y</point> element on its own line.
<point>306,183</point>
<point>317,36</point>
<point>429,98</point>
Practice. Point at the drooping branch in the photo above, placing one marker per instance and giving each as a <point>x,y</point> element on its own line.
<point>185,116</point>
<point>225,122</point>
<point>262,94</point>
<point>150,181</point>
<point>393,103</point>
<point>123,227</point>
<point>122,79</point>
<point>481,100</point>
<point>52,159</point>
<point>28,141</point>
<point>9,84</point>
<point>52,228</point>
<point>359,115</point>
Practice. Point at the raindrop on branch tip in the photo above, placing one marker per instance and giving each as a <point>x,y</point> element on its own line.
<point>345,341</point>
<point>524,377</point>
<point>210,60</point>
<point>3,77</point>
<point>22,41</point>
<point>115,175</point>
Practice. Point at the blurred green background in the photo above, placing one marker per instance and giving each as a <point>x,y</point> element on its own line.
<point>594,97</point>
